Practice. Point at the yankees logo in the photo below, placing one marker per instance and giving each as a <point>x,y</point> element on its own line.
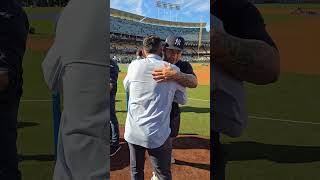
<point>178,42</point>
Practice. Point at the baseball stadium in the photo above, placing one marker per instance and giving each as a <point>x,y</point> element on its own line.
<point>36,116</point>
<point>127,31</point>
<point>280,142</point>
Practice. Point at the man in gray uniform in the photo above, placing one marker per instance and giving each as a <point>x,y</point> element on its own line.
<point>78,60</point>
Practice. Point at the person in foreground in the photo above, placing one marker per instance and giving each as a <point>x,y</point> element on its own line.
<point>14,28</point>
<point>78,61</point>
<point>241,50</point>
<point>148,119</point>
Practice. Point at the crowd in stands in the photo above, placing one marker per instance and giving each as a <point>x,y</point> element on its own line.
<point>125,47</point>
<point>126,38</point>
<point>128,58</point>
<point>135,28</point>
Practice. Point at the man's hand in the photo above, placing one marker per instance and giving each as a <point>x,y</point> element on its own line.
<point>168,73</point>
<point>165,74</point>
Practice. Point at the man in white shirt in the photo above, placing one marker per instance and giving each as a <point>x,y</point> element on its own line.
<point>148,118</point>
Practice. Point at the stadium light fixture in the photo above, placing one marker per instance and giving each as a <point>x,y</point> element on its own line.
<point>170,6</point>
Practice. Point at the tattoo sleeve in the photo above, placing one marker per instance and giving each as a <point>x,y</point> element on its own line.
<point>187,80</point>
<point>248,60</point>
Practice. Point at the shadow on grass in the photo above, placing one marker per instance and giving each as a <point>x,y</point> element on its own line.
<point>242,151</point>
<point>41,157</point>
<point>190,142</point>
<point>27,124</point>
<point>122,111</point>
<point>189,134</point>
<point>50,16</point>
<point>195,109</point>
<point>121,160</point>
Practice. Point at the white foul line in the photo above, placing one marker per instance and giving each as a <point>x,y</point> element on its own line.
<point>46,100</point>
<point>251,116</point>
<point>284,120</point>
<point>205,100</point>
<point>36,100</point>
<point>199,99</point>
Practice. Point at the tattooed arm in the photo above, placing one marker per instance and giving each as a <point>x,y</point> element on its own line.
<point>168,73</point>
<point>248,60</point>
<point>186,80</point>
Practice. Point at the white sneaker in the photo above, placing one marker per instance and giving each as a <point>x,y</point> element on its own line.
<point>173,160</point>
<point>154,177</point>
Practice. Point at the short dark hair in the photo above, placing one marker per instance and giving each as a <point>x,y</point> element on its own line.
<point>151,43</point>
<point>139,53</point>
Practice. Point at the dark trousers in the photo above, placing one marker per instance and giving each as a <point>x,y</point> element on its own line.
<point>218,159</point>
<point>175,120</point>
<point>9,105</point>
<point>115,134</point>
<point>160,159</point>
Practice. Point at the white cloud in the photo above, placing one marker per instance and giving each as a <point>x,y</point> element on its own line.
<point>127,5</point>
<point>203,7</point>
<point>139,7</point>
<point>191,10</point>
<point>187,13</point>
<point>196,5</point>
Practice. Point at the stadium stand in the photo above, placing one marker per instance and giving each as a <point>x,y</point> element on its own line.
<point>127,31</point>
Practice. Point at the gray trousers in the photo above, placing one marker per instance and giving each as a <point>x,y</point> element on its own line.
<point>160,159</point>
<point>83,149</point>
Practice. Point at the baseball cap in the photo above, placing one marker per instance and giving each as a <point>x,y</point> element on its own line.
<point>175,42</point>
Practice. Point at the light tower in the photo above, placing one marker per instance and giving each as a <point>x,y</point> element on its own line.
<point>200,38</point>
<point>161,4</point>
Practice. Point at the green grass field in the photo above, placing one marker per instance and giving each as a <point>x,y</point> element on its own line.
<point>282,138</point>
<point>281,141</point>
<point>35,127</point>
<point>42,10</point>
<point>35,132</point>
<point>195,116</point>
<point>44,29</point>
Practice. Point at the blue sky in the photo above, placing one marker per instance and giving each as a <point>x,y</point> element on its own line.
<point>191,10</point>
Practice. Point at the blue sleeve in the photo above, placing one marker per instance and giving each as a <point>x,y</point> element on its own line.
<point>114,72</point>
